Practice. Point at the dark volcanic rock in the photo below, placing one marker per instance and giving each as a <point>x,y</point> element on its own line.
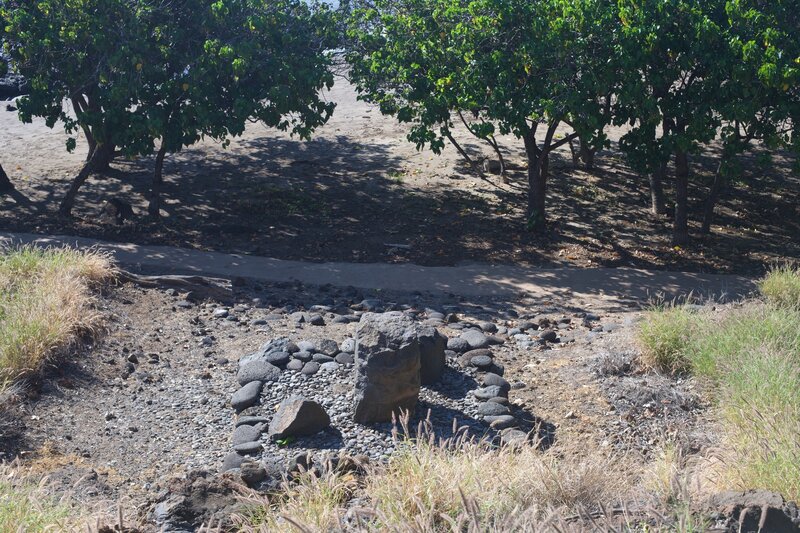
<point>387,367</point>
<point>298,417</point>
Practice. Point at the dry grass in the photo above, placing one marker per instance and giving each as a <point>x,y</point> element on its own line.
<point>46,305</point>
<point>456,485</point>
<point>27,505</point>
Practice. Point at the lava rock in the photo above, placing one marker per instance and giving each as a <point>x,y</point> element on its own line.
<point>327,347</point>
<point>457,344</point>
<point>500,422</point>
<point>231,461</point>
<point>387,367</point>
<point>252,472</point>
<point>487,393</point>
<point>492,379</point>
<point>295,364</point>
<point>432,345</point>
<point>481,361</point>
<point>244,434</point>
<point>310,368</point>
<point>298,417</point>
<point>247,396</point>
<point>257,370</point>
<point>492,409</point>
<point>548,335</point>
<point>345,358</point>
<point>248,448</point>
<point>475,339</point>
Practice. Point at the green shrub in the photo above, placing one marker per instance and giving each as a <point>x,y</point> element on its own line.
<point>781,287</point>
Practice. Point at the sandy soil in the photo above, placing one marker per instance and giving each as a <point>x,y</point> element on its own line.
<point>359,187</point>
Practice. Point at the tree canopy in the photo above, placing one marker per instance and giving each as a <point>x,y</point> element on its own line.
<point>146,76</point>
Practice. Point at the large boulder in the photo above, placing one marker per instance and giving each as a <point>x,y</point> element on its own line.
<point>387,366</point>
<point>432,345</point>
<point>298,417</point>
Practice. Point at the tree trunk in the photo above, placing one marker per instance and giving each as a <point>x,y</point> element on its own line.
<point>69,200</point>
<point>713,198</point>
<point>657,200</point>
<point>680,232</point>
<point>5,184</point>
<point>537,185</point>
<point>587,155</point>
<point>154,208</point>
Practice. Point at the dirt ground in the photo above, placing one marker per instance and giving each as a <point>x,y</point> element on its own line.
<point>359,188</point>
<point>109,431</point>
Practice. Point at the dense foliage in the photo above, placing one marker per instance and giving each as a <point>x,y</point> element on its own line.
<point>679,73</point>
<point>146,76</point>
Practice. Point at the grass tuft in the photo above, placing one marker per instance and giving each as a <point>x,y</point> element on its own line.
<point>46,304</point>
<point>781,287</point>
<point>664,335</point>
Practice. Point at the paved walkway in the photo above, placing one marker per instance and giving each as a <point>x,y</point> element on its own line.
<point>468,280</point>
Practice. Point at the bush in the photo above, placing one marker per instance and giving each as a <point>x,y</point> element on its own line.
<point>664,336</point>
<point>781,287</point>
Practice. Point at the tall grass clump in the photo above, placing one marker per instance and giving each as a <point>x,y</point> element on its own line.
<point>781,287</point>
<point>46,304</point>
<point>664,337</point>
<point>750,354</point>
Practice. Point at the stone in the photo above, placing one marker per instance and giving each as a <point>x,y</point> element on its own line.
<point>251,420</point>
<point>252,472</point>
<point>513,437</point>
<point>231,461</point>
<point>481,361</point>
<point>457,344</point>
<point>305,346</point>
<point>475,339</point>
<point>292,347</point>
<point>432,345</point>
<point>310,368</point>
<point>247,396</point>
<point>244,434</point>
<point>299,317</point>
<point>327,347</point>
<point>525,326</point>
<point>331,366</point>
<point>248,448</point>
<point>298,417</point>
<point>369,304</point>
<point>492,409</point>
<point>220,313</point>
<point>500,422</point>
<point>502,400</point>
<point>387,367</point>
<point>258,370</point>
<point>303,356</point>
<point>295,364</point>
<point>345,358</point>
<point>321,358</point>
<point>278,358</point>
<point>491,379</point>
<point>488,327</point>
<point>548,335</point>
<point>753,510</point>
<point>317,320</point>
<point>474,353</point>
<point>349,346</point>
<point>487,393</point>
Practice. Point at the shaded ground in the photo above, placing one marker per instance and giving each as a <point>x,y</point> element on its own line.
<point>359,188</point>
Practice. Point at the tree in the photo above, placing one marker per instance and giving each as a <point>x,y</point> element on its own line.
<point>668,49</point>
<point>170,73</point>
<point>759,90</point>
<point>697,72</point>
<point>519,67</point>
